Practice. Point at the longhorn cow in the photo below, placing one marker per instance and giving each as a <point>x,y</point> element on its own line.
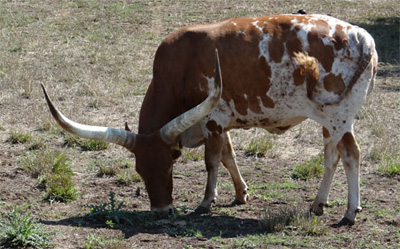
<point>276,70</point>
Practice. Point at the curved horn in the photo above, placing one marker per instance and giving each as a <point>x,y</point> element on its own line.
<point>106,134</point>
<point>178,125</point>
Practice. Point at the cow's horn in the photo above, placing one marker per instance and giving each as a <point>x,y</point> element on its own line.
<point>106,134</point>
<point>178,125</point>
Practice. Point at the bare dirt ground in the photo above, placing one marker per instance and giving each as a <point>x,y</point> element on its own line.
<point>96,57</point>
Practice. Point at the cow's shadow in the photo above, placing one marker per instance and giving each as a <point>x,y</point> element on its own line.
<point>190,224</point>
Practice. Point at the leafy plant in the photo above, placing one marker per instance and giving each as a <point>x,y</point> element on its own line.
<point>310,169</point>
<point>110,211</point>
<point>22,230</point>
<point>258,147</point>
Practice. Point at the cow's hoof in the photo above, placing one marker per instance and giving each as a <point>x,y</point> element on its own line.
<point>344,222</point>
<point>318,209</point>
<point>237,202</point>
<point>201,210</point>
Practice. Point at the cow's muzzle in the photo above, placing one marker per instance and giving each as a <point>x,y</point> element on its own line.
<point>164,211</point>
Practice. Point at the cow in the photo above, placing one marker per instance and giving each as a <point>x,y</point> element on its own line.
<point>270,72</point>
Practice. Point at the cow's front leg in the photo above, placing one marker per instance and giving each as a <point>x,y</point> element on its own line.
<point>213,149</point>
<point>229,161</point>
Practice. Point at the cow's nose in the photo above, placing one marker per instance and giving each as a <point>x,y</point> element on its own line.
<point>167,210</point>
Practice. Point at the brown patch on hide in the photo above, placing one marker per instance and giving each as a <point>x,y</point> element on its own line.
<point>334,83</point>
<point>323,53</point>
<point>214,127</point>
<point>325,133</point>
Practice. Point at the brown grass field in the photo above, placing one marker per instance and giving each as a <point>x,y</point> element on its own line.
<point>95,57</point>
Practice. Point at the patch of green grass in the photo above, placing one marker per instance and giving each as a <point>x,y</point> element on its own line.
<point>18,137</point>
<point>390,166</point>
<point>258,147</point>
<point>22,231</point>
<point>313,168</point>
<point>53,171</point>
<point>84,144</point>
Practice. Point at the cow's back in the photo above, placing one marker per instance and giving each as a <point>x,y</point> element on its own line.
<point>262,84</point>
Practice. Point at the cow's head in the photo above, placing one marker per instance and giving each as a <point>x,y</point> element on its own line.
<point>153,152</point>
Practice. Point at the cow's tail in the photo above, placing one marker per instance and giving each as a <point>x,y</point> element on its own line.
<point>309,70</point>
<point>366,47</point>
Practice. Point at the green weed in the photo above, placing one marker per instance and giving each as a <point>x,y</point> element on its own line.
<point>313,168</point>
<point>22,230</point>
<point>110,211</point>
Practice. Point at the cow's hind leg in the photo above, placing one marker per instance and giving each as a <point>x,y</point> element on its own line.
<point>331,160</point>
<point>213,151</point>
<point>350,153</point>
<point>229,161</point>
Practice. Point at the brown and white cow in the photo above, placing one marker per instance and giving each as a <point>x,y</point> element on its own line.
<point>277,71</point>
